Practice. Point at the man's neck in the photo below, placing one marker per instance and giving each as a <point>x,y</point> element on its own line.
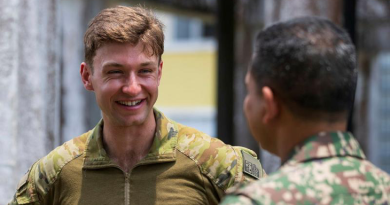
<point>294,133</point>
<point>128,145</point>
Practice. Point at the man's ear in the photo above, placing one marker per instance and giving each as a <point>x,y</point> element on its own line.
<point>86,74</point>
<point>272,110</point>
<point>160,67</point>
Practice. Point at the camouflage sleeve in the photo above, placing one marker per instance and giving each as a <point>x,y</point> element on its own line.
<point>222,164</point>
<point>249,167</point>
<point>25,192</point>
<point>237,176</point>
<point>36,186</point>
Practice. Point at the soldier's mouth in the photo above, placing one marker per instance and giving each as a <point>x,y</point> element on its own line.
<point>130,103</point>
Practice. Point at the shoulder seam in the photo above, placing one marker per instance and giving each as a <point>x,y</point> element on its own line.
<point>52,176</point>
<point>33,172</point>
<point>60,170</point>
<point>201,169</point>
<point>214,179</point>
<point>200,173</point>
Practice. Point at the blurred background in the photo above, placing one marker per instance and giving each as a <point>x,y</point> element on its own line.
<point>208,47</point>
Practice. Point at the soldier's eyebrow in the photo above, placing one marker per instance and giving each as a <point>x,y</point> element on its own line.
<point>112,64</point>
<point>147,63</point>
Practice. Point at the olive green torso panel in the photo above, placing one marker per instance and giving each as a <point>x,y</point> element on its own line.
<point>162,183</point>
<point>183,166</point>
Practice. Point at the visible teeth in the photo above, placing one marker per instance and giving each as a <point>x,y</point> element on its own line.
<point>130,103</point>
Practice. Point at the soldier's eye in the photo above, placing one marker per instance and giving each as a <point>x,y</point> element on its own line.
<point>114,72</point>
<point>145,71</point>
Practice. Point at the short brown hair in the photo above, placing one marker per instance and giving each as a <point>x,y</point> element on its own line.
<point>124,25</point>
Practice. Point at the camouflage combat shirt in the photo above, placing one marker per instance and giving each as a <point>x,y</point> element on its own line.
<point>329,168</point>
<point>184,166</point>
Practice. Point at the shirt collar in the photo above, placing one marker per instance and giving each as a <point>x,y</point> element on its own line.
<point>325,145</point>
<point>162,150</point>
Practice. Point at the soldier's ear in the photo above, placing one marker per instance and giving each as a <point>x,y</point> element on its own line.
<point>271,107</point>
<point>160,67</point>
<point>86,75</point>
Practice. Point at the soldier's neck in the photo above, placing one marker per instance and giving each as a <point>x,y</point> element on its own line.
<point>127,146</point>
<point>294,132</point>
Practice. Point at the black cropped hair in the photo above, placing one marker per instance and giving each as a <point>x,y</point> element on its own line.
<point>309,63</point>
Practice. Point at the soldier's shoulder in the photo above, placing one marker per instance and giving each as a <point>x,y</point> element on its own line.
<point>220,162</point>
<point>379,178</point>
<point>50,166</point>
<point>270,190</point>
<point>323,181</point>
<point>247,193</point>
<point>43,173</point>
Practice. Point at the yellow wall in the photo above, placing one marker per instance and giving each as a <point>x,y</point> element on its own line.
<point>188,79</point>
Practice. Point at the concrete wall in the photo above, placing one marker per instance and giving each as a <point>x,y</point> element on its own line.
<point>42,100</point>
<point>79,111</point>
<point>29,87</point>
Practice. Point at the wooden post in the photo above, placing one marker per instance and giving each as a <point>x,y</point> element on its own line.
<point>226,63</point>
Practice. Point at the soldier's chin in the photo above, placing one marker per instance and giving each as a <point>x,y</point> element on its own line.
<point>134,121</point>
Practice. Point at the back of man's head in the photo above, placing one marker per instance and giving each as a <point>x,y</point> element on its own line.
<point>310,65</point>
<point>124,25</point>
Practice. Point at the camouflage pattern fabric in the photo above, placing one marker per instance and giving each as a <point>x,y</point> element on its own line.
<point>222,164</point>
<point>329,168</point>
<point>42,174</point>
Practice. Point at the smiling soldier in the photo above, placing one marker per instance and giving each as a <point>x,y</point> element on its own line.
<point>135,154</point>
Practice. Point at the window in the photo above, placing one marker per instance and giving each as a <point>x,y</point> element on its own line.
<point>187,28</point>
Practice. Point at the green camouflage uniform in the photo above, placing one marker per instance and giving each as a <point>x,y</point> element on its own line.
<point>326,169</point>
<point>184,166</point>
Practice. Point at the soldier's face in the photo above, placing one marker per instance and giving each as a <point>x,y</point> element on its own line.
<point>125,81</point>
<point>254,112</point>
